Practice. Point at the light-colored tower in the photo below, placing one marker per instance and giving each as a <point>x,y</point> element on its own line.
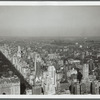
<point>19,51</point>
<point>85,71</point>
<point>52,80</point>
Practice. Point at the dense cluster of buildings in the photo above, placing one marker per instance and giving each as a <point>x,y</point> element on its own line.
<point>59,70</point>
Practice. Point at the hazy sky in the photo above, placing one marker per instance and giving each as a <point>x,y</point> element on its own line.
<point>49,21</point>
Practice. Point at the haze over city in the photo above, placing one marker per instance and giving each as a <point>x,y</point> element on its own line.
<point>49,50</point>
<point>49,21</point>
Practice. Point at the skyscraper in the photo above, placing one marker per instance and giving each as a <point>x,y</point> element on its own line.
<point>52,80</point>
<point>36,89</point>
<point>85,71</point>
<point>37,66</point>
<point>19,51</point>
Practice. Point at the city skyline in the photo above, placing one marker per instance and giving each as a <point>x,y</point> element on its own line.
<point>49,21</point>
<point>49,50</point>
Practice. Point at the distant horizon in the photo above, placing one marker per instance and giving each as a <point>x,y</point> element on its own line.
<point>46,36</point>
<point>83,37</point>
<point>50,21</point>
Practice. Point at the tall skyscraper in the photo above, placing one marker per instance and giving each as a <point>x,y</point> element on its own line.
<point>37,66</point>
<point>19,51</point>
<point>91,66</point>
<point>37,87</point>
<point>52,80</point>
<point>49,81</point>
<point>85,71</point>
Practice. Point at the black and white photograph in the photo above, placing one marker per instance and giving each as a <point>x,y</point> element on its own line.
<point>49,50</point>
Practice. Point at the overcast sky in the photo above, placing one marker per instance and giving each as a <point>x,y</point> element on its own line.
<point>49,21</point>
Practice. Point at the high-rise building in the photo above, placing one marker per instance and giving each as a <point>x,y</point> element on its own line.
<point>52,74</point>
<point>19,51</point>
<point>52,80</point>
<point>37,83</point>
<point>37,66</point>
<point>85,71</point>
<point>49,81</point>
<point>10,86</point>
<point>91,66</point>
